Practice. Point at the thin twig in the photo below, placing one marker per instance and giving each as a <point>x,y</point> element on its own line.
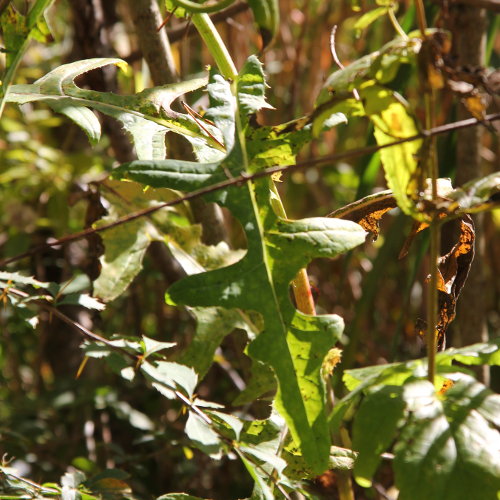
<point>336,59</point>
<point>244,178</point>
<point>76,326</point>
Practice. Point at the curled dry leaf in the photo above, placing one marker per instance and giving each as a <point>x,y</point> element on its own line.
<point>453,271</point>
<point>368,211</point>
<point>453,267</point>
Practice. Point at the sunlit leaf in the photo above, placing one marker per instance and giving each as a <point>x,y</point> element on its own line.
<point>167,377</point>
<point>293,344</point>
<point>392,121</point>
<point>147,116</point>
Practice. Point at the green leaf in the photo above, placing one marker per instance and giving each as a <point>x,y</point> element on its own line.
<point>126,244</point>
<point>487,353</point>
<point>212,325</point>
<point>477,195</point>
<point>341,458</point>
<point>262,490</point>
<point>203,435</point>
<point>147,116</point>
<point>266,15</point>
<point>151,346</point>
<point>225,422</point>
<point>381,65</point>
<point>292,343</point>
<point>167,377</point>
<point>262,380</point>
<point>15,31</point>
<point>448,450</point>
<point>368,18</point>
<point>19,279</point>
<point>251,88</point>
<point>392,121</point>
<point>374,429</point>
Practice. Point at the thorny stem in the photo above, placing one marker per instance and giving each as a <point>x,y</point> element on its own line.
<point>43,304</point>
<point>244,178</point>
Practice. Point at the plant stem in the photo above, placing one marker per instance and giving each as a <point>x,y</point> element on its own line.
<point>432,300</point>
<point>214,42</point>
<point>193,7</point>
<point>300,285</point>
<point>396,25</point>
<point>422,23</point>
<point>435,237</point>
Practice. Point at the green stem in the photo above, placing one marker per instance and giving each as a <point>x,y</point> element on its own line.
<point>396,25</point>
<point>215,45</point>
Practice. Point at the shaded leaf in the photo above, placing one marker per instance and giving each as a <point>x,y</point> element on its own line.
<point>448,450</point>
<point>126,244</point>
<point>262,381</point>
<point>375,427</point>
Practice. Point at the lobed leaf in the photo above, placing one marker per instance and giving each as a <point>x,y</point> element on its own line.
<point>146,116</point>
<point>292,343</point>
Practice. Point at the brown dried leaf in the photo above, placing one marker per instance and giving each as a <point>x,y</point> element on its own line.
<point>368,211</point>
<point>453,271</point>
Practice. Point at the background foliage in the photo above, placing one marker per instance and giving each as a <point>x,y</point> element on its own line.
<point>63,406</point>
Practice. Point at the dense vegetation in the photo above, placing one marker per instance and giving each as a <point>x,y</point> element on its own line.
<point>248,250</point>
